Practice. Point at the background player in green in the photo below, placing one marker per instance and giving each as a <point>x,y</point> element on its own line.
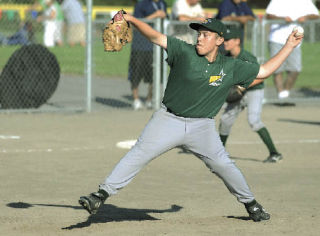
<point>252,99</point>
<point>199,80</point>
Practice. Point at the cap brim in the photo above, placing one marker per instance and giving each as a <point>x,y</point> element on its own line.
<point>231,37</point>
<point>195,26</point>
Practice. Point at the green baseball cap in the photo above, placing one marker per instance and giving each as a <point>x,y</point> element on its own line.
<point>232,33</point>
<point>211,24</point>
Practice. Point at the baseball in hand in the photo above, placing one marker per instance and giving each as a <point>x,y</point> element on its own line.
<point>299,31</point>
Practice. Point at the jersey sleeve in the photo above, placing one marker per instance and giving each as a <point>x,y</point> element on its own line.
<point>173,49</point>
<point>245,72</point>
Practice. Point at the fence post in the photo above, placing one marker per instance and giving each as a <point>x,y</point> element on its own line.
<point>312,27</point>
<point>256,36</point>
<point>263,40</point>
<point>157,69</point>
<point>164,63</point>
<point>89,55</point>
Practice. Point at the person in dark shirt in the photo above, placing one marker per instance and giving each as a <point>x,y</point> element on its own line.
<point>141,57</point>
<point>23,36</point>
<point>235,10</point>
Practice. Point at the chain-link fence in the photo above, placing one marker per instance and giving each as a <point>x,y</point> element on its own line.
<point>129,76</point>
<point>43,56</point>
<point>305,89</point>
<point>75,75</point>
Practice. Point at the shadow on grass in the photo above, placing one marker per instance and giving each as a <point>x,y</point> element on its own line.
<point>107,213</point>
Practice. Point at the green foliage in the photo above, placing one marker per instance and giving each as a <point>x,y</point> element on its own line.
<point>309,75</point>
<point>108,64</point>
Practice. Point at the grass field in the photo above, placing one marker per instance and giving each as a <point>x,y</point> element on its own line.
<point>73,60</point>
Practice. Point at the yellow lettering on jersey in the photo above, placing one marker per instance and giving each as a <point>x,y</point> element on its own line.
<point>214,78</point>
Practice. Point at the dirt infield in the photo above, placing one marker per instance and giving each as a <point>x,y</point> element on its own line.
<point>48,160</point>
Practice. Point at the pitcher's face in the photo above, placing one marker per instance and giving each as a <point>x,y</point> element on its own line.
<point>207,42</point>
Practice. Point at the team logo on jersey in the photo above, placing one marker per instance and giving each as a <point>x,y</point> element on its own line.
<point>216,80</point>
<point>207,21</point>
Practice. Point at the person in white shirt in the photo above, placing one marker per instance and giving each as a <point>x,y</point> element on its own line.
<point>187,10</point>
<point>72,10</point>
<point>49,19</point>
<point>292,12</point>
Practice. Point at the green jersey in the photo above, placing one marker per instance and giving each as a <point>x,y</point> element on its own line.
<point>197,88</point>
<point>247,56</point>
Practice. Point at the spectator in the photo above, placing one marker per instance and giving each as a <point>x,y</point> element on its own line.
<point>23,36</point>
<point>187,10</point>
<point>49,18</point>
<point>76,30</point>
<point>292,12</point>
<point>57,35</point>
<point>235,10</point>
<point>141,57</point>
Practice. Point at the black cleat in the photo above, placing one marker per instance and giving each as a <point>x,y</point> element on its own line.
<point>256,211</point>
<point>94,201</point>
<point>276,157</point>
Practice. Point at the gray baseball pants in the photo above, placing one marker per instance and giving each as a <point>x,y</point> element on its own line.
<point>253,100</point>
<point>165,131</point>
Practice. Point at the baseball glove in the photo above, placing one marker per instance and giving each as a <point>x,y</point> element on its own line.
<point>236,93</point>
<point>116,33</point>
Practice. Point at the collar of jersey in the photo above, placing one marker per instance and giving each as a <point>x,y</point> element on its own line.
<point>218,59</point>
